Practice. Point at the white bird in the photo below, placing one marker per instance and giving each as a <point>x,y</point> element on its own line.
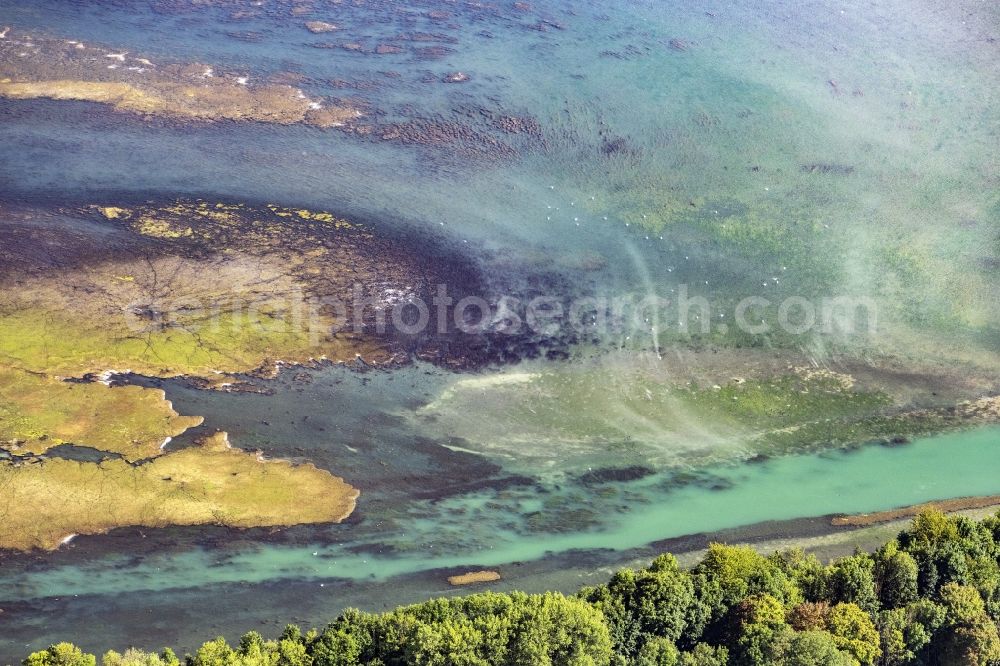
<point>117,56</point>
<point>3,35</point>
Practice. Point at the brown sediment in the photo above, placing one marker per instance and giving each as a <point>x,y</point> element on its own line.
<point>35,66</point>
<point>947,506</point>
<point>459,137</point>
<point>219,101</point>
<point>518,125</point>
<point>985,409</point>
<point>474,577</point>
<point>320,27</point>
<point>432,52</point>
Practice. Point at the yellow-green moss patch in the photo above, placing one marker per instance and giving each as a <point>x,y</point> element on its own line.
<point>37,413</point>
<point>45,502</point>
<point>169,316</point>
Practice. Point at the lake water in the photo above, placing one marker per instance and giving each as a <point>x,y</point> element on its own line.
<point>428,511</point>
<point>781,149</point>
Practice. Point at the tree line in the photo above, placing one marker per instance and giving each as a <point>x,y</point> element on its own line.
<point>929,597</point>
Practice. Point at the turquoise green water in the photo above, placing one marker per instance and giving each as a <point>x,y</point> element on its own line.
<point>863,480</point>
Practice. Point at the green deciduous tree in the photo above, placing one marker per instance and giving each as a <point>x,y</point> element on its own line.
<point>215,653</point>
<point>703,654</point>
<point>642,605</point>
<point>806,571</point>
<point>895,576</point>
<point>813,648</point>
<point>854,632</point>
<point>548,629</point>
<point>134,657</point>
<point>60,654</point>
<point>740,572</point>
<point>757,630</point>
<point>657,652</point>
<point>968,637</point>
<point>852,580</point>
<point>904,633</point>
